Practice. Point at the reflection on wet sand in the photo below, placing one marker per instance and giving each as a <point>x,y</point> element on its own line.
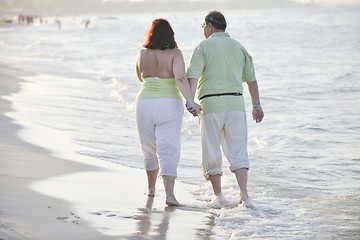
<point>146,225</point>
<point>154,223</point>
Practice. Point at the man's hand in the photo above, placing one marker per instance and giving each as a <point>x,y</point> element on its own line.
<point>257,114</point>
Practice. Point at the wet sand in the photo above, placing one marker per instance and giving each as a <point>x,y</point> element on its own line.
<point>24,213</point>
<point>118,195</point>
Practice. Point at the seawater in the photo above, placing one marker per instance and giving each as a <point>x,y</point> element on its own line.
<point>305,158</point>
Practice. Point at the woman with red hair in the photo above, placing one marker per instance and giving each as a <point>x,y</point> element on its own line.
<point>159,108</point>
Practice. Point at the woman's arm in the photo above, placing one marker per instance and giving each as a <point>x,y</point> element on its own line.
<point>183,82</point>
<point>138,72</point>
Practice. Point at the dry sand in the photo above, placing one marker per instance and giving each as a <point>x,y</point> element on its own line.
<point>27,214</point>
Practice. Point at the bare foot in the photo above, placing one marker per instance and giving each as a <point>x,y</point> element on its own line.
<point>173,202</point>
<point>243,198</point>
<point>220,200</point>
<point>248,203</point>
<point>151,192</point>
<point>149,202</point>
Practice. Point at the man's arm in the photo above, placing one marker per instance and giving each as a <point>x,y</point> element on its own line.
<point>257,111</point>
<point>193,86</point>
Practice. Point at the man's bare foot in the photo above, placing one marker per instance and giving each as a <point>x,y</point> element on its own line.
<point>248,203</point>
<point>220,201</point>
<point>243,198</point>
<point>173,202</point>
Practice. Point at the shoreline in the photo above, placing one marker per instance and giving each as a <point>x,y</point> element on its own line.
<point>26,214</point>
<point>46,197</point>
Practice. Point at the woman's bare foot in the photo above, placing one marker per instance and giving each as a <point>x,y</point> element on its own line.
<point>151,192</point>
<point>152,175</point>
<point>171,201</point>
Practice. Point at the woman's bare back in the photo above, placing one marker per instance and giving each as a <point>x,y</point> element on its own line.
<point>156,63</point>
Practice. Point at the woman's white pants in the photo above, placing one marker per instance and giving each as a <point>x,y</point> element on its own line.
<point>159,123</point>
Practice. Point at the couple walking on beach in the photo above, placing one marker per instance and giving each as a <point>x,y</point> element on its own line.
<point>218,67</point>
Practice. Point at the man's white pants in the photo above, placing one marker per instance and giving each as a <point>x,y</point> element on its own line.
<point>228,130</point>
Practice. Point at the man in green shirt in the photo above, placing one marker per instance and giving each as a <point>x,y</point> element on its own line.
<point>218,67</point>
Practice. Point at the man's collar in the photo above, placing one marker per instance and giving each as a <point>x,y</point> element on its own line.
<point>220,34</point>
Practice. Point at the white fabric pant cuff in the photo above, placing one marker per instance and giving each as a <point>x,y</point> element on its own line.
<point>240,165</point>
<point>216,171</point>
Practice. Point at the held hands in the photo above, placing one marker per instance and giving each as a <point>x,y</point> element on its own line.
<point>257,114</point>
<point>193,108</point>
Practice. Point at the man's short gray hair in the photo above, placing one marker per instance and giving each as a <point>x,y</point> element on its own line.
<point>216,19</point>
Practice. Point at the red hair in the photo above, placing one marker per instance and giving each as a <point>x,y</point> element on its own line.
<point>160,35</point>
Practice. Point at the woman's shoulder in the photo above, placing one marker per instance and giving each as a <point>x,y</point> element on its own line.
<point>176,51</point>
<point>171,52</point>
<point>142,51</point>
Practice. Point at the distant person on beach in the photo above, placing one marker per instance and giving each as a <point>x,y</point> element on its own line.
<point>219,65</point>
<point>159,108</point>
<point>86,22</point>
<point>58,23</point>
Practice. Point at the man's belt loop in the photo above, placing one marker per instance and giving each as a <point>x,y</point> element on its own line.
<point>221,94</point>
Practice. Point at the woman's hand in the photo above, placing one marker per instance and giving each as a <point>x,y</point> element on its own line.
<point>193,108</point>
